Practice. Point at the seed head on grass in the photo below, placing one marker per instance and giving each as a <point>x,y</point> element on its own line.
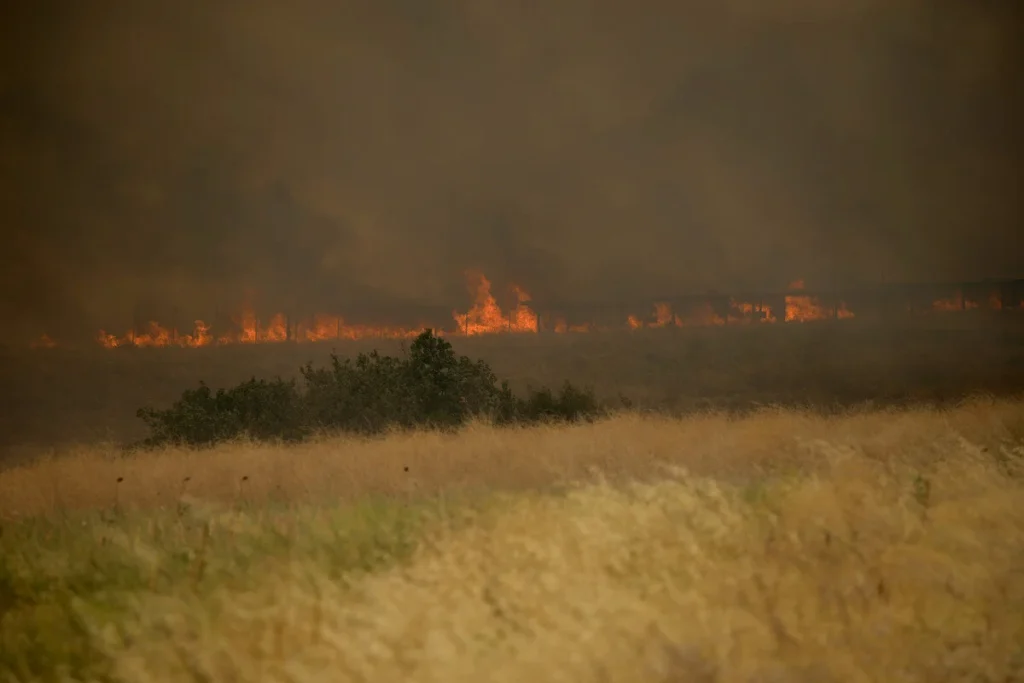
<point>116,508</point>
<point>241,491</point>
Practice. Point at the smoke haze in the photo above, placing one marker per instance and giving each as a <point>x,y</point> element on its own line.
<point>367,153</point>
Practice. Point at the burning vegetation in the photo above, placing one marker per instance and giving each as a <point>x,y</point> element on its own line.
<point>486,316</point>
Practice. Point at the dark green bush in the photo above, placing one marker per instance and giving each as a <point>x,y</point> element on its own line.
<point>430,387</point>
<point>570,405</point>
<point>364,397</point>
<point>256,408</point>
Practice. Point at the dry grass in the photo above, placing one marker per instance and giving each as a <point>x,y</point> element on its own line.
<point>486,458</point>
<point>784,547</point>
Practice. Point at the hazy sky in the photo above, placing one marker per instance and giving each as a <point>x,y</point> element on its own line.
<point>371,151</point>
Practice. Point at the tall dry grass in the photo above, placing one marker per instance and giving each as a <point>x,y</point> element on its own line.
<point>783,547</point>
<point>486,458</point>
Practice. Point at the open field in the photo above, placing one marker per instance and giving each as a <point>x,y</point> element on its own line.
<point>872,546</point>
<point>91,395</point>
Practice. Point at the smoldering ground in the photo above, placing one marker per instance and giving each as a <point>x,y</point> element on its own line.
<point>366,153</point>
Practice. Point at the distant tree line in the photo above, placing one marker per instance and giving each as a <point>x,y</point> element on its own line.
<point>428,387</point>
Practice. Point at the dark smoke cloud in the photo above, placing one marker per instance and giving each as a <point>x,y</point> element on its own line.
<point>367,153</point>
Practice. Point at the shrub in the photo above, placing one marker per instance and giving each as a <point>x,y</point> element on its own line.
<point>570,405</point>
<point>363,397</point>
<point>256,408</point>
<point>430,387</point>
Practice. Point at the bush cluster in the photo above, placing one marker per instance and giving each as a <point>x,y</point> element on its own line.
<point>430,387</point>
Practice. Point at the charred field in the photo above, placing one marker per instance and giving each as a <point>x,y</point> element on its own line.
<point>63,396</point>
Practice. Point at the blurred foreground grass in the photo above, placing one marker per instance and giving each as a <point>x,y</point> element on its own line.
<point>782,547</point>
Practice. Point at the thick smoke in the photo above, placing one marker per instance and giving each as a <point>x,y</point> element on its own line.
<point>364,154</point>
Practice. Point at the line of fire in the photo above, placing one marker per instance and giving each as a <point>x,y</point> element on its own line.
<point>520,314</point>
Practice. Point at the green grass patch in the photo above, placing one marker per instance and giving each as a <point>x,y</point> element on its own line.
<point>64,581</point>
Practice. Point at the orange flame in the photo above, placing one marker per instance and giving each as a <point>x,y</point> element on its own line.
<point>486,317</point>
<point>334,327</point>
<point>958,302</point>
<point>742,311</point>
<point>157,335</point>
<point>801,308</point>
<point>252,332</point>
<point>704,315</point>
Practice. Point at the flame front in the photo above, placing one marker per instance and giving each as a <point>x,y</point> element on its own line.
<point>485,316</point>
<point>801,308</point>
<point>742,311</point>
<point>705,315</point>
<point>157,335</point>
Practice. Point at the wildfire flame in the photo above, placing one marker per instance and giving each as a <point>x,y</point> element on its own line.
<point>742,311</point>
<point>157,335</point>
<point>958,302</point>
<point>485,316</point>
<point>801,308</point>
<point>326,327</point>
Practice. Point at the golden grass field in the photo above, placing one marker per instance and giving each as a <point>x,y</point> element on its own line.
<point>782,546</point>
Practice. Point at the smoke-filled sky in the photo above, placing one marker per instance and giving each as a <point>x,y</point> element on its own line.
<point>368,152</point>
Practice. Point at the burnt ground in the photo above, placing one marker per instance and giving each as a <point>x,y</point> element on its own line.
<point>54,397</point>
